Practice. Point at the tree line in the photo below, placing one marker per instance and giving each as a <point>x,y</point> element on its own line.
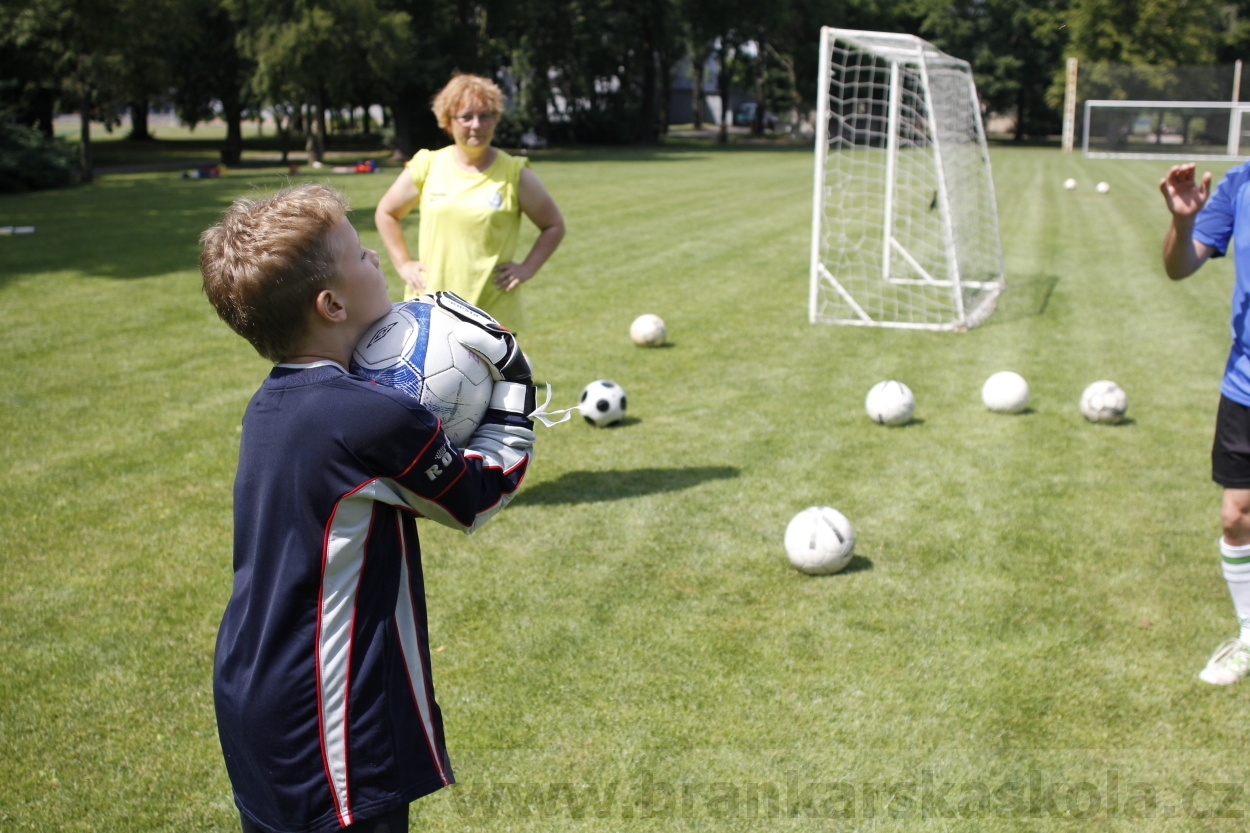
<point>588,71</point>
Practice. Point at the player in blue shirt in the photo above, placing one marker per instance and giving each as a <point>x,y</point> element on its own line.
<point>1203,228</point>
<point>321,681</point>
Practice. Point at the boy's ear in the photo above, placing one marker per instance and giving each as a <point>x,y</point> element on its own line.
<point>328,307</point>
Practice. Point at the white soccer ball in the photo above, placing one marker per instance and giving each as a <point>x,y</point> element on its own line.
<point>1102,187</point>
<point>820,540</point>
<point>890,403</point>
<point>602,403</point>
<point>1005,392</point>
<point>1104,401</point>
<point>413,348</point>
<point>648,331</point>
<point>1070,184</point>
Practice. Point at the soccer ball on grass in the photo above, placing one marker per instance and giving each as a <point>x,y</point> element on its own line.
<point>1005,392</point>
<point>1103,187</point>
<point>1104,401</point>
<point>602,403</point>
<point>648,331</point>
<point>413,348</point>
<point>890,403</point>
<point>820,541</point>
<point>1070,184</point>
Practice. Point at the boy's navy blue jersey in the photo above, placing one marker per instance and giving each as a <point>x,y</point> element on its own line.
<point>322,685</point>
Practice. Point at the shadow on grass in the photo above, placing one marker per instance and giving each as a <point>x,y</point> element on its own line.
<point>1124,423</point>
<point>1025,297</point>
<point>122,228</point>
<point>599,486</point>
<point>858,564</point>
<point>914,422</point>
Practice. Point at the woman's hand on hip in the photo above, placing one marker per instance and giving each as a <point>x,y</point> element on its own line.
<point>508,276</point>
<point>413,274</point>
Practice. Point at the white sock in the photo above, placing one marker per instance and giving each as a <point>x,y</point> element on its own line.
<point>1236,561</point>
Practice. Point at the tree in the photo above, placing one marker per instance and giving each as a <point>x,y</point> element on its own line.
<point>143,30</point>
<point>332,52</point>
<point>600,66</point>
<point>1234,43</point>
<point>1126,49</point>
<point>1144,32</point>
<point>439,38</point>
<point>29,82</point>
<point>1014,47</point>
<point>82,44</point>
<point>794,35</point>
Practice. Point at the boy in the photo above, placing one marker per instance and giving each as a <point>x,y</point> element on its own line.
<point>1201,230</point>
<point>321,679</point>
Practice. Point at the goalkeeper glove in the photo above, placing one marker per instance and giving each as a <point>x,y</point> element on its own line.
<point>511,403</point>
<point>486,337</point>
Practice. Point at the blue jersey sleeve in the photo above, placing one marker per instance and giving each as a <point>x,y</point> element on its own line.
<point>1214,224</point>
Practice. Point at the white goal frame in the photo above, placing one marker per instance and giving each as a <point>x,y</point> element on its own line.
<point>904,220</point>
<point>1231,148</point>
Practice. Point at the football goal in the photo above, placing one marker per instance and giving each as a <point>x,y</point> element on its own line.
<point>1177,130</point>
<point>1138,111</point>
<point>904,222</point>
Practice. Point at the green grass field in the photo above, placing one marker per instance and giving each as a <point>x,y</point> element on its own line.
<point>1014,647</point>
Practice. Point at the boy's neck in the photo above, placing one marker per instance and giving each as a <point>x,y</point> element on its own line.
<point>314,357</point>
<point>326,341</point>
<point>295,363</point>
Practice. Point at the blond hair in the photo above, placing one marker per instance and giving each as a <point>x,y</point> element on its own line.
<point>266,261</point>
<point>466,90</point>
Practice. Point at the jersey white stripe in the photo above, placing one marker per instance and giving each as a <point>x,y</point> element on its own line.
<point>409,643</point>
<point>343,561</point>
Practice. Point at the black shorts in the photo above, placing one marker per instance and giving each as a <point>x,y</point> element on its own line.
<point>1230,454</point>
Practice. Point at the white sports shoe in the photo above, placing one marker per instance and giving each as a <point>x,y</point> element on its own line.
<point>1229,663</point>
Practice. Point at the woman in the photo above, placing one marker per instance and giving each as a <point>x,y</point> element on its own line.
<point>471,196</point>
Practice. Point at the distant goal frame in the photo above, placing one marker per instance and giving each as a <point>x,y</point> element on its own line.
<point>1237,120</point>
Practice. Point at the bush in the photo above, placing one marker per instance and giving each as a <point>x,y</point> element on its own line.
<point>616,123</point>
<point>29,161</point>
<point>509,129</point>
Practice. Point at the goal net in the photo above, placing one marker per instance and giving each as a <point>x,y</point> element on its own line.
<point>904,225</point>
<point>1178,130</point>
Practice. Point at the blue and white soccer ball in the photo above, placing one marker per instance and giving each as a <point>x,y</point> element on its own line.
<point>414,348</point>
<point>602,403</point>
<point>820,540</point>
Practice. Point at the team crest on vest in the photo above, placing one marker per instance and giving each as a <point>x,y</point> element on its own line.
<point>495,200</point>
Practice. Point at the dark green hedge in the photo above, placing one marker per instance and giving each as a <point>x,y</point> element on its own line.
<point>29,160</point>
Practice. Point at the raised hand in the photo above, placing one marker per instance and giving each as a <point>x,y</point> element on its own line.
<point>1182,192</point>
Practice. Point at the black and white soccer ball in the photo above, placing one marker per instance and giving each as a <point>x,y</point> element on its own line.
<point>414,348</point>
<point>1104,401</point>
<point>602,403</point>
<point>820,540</point>
<point>890,403</point>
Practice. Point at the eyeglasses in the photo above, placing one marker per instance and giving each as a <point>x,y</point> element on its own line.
<point>485,117</point>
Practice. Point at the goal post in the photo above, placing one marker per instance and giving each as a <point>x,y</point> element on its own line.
<point>1176,130</point>
<point>904,222</point>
